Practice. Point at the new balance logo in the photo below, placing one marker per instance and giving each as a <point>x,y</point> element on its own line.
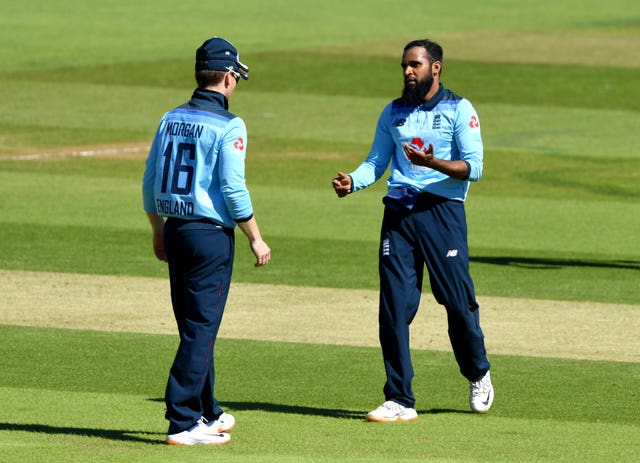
<point>452,253</point>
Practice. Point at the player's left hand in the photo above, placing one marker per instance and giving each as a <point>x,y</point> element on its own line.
<point>262,252</point>
<point>419,157</point>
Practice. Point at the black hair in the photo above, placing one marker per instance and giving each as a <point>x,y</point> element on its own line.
<point>434,50</point>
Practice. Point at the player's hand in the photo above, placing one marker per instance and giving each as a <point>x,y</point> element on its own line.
<point>158,247</point>
<point>342,184</point>
<point>419,157</point>
<point>261,251</point>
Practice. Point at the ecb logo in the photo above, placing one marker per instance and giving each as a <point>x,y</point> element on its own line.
<point>436,122</point>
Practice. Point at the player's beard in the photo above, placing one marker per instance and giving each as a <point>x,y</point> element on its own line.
<point>413,95</point>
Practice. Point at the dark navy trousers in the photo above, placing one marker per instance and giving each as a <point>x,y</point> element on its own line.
<point>200,256</point>
<point>433,232</point>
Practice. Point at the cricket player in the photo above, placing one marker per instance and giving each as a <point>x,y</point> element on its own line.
<point>431,138</point>
<point>195,178</point>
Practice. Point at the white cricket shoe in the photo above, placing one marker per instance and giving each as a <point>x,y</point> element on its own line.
<point>392,411</point>
<point>481,394</point>
<point>199,433</point>
<point>224,423</point>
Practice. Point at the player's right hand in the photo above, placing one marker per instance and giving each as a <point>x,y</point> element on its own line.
<point>342,184</point>
<point>158,247</point>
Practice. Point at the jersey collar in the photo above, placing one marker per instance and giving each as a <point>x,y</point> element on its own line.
<point>435,99</point>
<point>208,100</point>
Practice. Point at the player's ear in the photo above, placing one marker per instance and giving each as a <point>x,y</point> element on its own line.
<point>228,77</point>
<point>436,67</point>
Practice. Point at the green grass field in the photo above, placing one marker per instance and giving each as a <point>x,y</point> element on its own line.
<point>556,216</point>
<point>305,403</point>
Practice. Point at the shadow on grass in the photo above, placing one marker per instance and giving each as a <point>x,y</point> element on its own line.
<point>316,411</point>
<point>112,434</point>
<point>292,409</point>
<point>542,263</point>
<point>295,409</point>
<point>134,436</point>
<point>438,411</point>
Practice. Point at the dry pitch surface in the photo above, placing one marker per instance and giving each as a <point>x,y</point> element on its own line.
<point>542,328</point>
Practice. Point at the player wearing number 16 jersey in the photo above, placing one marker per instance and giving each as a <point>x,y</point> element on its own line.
<point>197,163</point>
<point>195,179</point>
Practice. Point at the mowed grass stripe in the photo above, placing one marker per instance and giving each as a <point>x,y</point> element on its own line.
<point>550,85</point>
<point>123,425</point>
<point>346,378</point>
<point>303,262</point>
<point>308,119</point>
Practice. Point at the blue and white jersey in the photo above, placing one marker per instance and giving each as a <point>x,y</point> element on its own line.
<point>448,121</point>
<point>196,164</point>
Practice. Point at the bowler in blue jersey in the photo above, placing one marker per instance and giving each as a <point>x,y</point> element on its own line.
<point>194,193</point>
<point>430,140</point>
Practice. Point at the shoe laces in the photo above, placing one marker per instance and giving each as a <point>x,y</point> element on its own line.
<point>393,406</point>
<point>203,421</point>
<point>480,387</point>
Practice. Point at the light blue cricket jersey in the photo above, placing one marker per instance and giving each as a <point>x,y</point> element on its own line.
<point>195,167</point>
<point>448,121</point>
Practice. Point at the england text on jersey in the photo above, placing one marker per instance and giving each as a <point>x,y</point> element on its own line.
<point>176,208</point>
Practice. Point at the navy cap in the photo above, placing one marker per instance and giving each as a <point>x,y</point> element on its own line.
<point>218,54</point>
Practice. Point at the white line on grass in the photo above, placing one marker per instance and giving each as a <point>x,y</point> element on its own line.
<point>80,153</point>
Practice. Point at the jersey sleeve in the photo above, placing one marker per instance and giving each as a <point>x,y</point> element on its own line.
<point>149,177</point>
<point>232,171</point>
<point>468,139</point>
<point>379,156</point>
